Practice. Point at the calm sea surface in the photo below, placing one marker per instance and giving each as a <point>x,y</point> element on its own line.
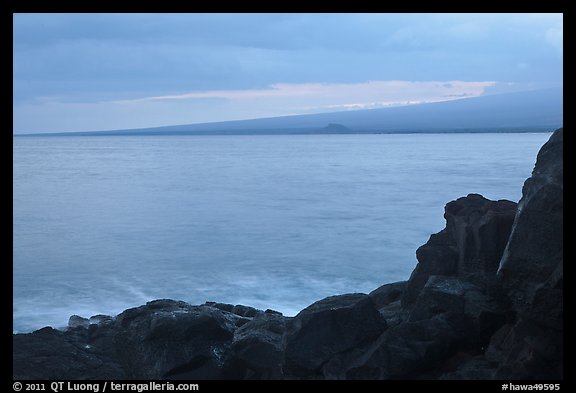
<point>106,223</point>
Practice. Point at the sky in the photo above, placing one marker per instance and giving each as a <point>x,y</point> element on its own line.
<point>85,72</point>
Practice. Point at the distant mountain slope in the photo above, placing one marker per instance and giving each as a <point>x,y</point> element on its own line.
<point>521,111</point>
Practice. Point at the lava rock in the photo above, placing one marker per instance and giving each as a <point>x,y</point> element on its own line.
<point>387,293</point>
<point>49,354</point>
<point>531,272</point>
<point>438,256</point>
<point>257,351</point>
<point>531,268</point>
<point>169,339</point>
<point>453,295</point>
<point>328,327</point>
<point>76,321</point>
<point>480,229</point>
<point>473,241</point>
<point>100,319</point>
<point>410,349</point>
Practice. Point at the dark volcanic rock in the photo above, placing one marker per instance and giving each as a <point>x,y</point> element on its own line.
<point>460,297</point>
<point>387,300</point>
<point>78,321</point>
<point>440,294</point>
<point>163,339</point>
<point>471,369</point>
<point>329,327</point>
<point>473,241</point>
<point>221,306</point>
<point>52,354</point>
<point>257,351</point>
<point>411,348</point>
<point>480,229</point>
<point>438,256</point>
<point>531,271</point>
<point>172,339</point>
<point>243,311</point>
<point>531,268</point>
<point>526,350</point>
<point>387,293</point>
<point>100,319</point>
<point>530,276</point>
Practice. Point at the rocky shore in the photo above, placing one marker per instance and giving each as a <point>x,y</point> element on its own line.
<point>484,302</point>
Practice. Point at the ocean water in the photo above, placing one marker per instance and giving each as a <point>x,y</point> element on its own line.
<point>101,224</point>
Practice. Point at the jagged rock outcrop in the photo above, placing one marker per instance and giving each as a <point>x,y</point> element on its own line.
<point>531,271</point>
<point>484,302</point>
<point>329,327</point>
<point>167,339</point>
<point>476,233</point>
<point>452,303</point>
<point>257,350</point>
<point>52,354</point>
<point>530,344</point>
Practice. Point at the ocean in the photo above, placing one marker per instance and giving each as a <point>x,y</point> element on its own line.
<point>104,223</point>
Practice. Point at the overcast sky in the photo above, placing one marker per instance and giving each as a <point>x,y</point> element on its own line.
<point>80,72</point>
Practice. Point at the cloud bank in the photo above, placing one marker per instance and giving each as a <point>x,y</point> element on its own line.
<point>107,71</point>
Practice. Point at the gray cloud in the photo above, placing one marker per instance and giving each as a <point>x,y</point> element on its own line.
<point>91,58</point>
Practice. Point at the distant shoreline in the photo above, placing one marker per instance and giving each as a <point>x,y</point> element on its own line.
<point>502,130</point>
